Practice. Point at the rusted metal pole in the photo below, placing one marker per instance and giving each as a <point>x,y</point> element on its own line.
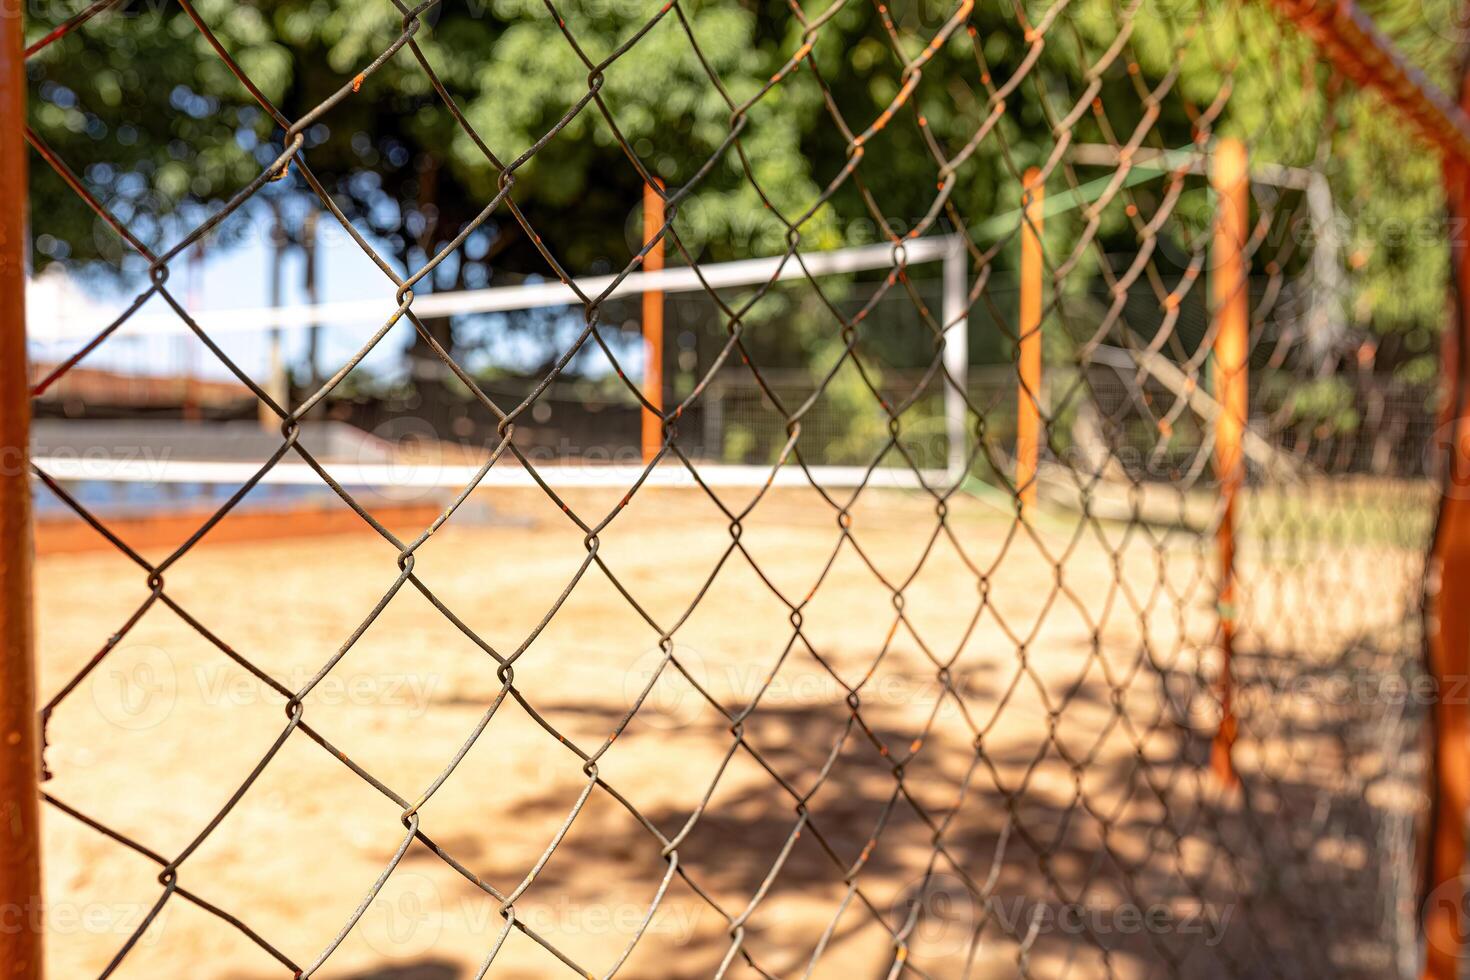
<point>1355,46</point>
<point>1028,335</point>
<point>1449,663</point>
<point>1229,290</point>
<point>1448,620</point>
<point>653,325</point>
<point>20,818</point>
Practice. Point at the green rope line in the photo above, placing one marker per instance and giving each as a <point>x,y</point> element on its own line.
<point>1088,193</point>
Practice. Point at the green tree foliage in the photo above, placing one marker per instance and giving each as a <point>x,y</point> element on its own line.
<point>155,126</point>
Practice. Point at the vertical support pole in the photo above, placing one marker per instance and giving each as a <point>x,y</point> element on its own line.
<point>1229,289</point>
<point>190,408</point>
<point>1326,321</point>
<point>20,758</point>
<point>310,277</point>
<point>276,384</point>
<point>956,322</point>
<point>1028,335</point>
<point>653,325</point>
<point>714,420</point>
<point>1447,620</point>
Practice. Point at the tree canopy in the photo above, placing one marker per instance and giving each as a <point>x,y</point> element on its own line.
<point>155,126</point>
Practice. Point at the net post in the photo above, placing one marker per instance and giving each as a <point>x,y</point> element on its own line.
<point>1028,337</point>
<point>20,847</point>
<point>956,356</point>
<point>1230,298</point>
<point>653,324</point>
<point>276,385</point>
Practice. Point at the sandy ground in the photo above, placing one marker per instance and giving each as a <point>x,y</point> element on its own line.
<point>1021,789</point>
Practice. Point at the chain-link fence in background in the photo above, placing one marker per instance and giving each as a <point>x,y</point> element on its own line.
<point>978,721</point>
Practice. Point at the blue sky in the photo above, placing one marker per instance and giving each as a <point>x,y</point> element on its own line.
<point>229,277</point>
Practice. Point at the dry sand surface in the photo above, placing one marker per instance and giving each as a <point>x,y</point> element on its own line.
<point>1012,824</point>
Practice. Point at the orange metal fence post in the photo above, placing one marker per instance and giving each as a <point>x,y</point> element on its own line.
<point>1358,50</point>
<point>20,819</point>
<point>653,325</point>
<point>1028,334</point>
<point>1449,631</point>
<point>1229,282</point>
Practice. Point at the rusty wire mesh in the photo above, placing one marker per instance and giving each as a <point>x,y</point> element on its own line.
<point>1057,775</point>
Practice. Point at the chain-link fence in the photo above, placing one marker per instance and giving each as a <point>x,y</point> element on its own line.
<point>1121,688</point>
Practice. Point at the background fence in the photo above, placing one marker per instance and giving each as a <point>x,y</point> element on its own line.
<point>1059,608</point>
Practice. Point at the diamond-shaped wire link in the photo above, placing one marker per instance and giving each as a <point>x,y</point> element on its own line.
<point>1051,777</point>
